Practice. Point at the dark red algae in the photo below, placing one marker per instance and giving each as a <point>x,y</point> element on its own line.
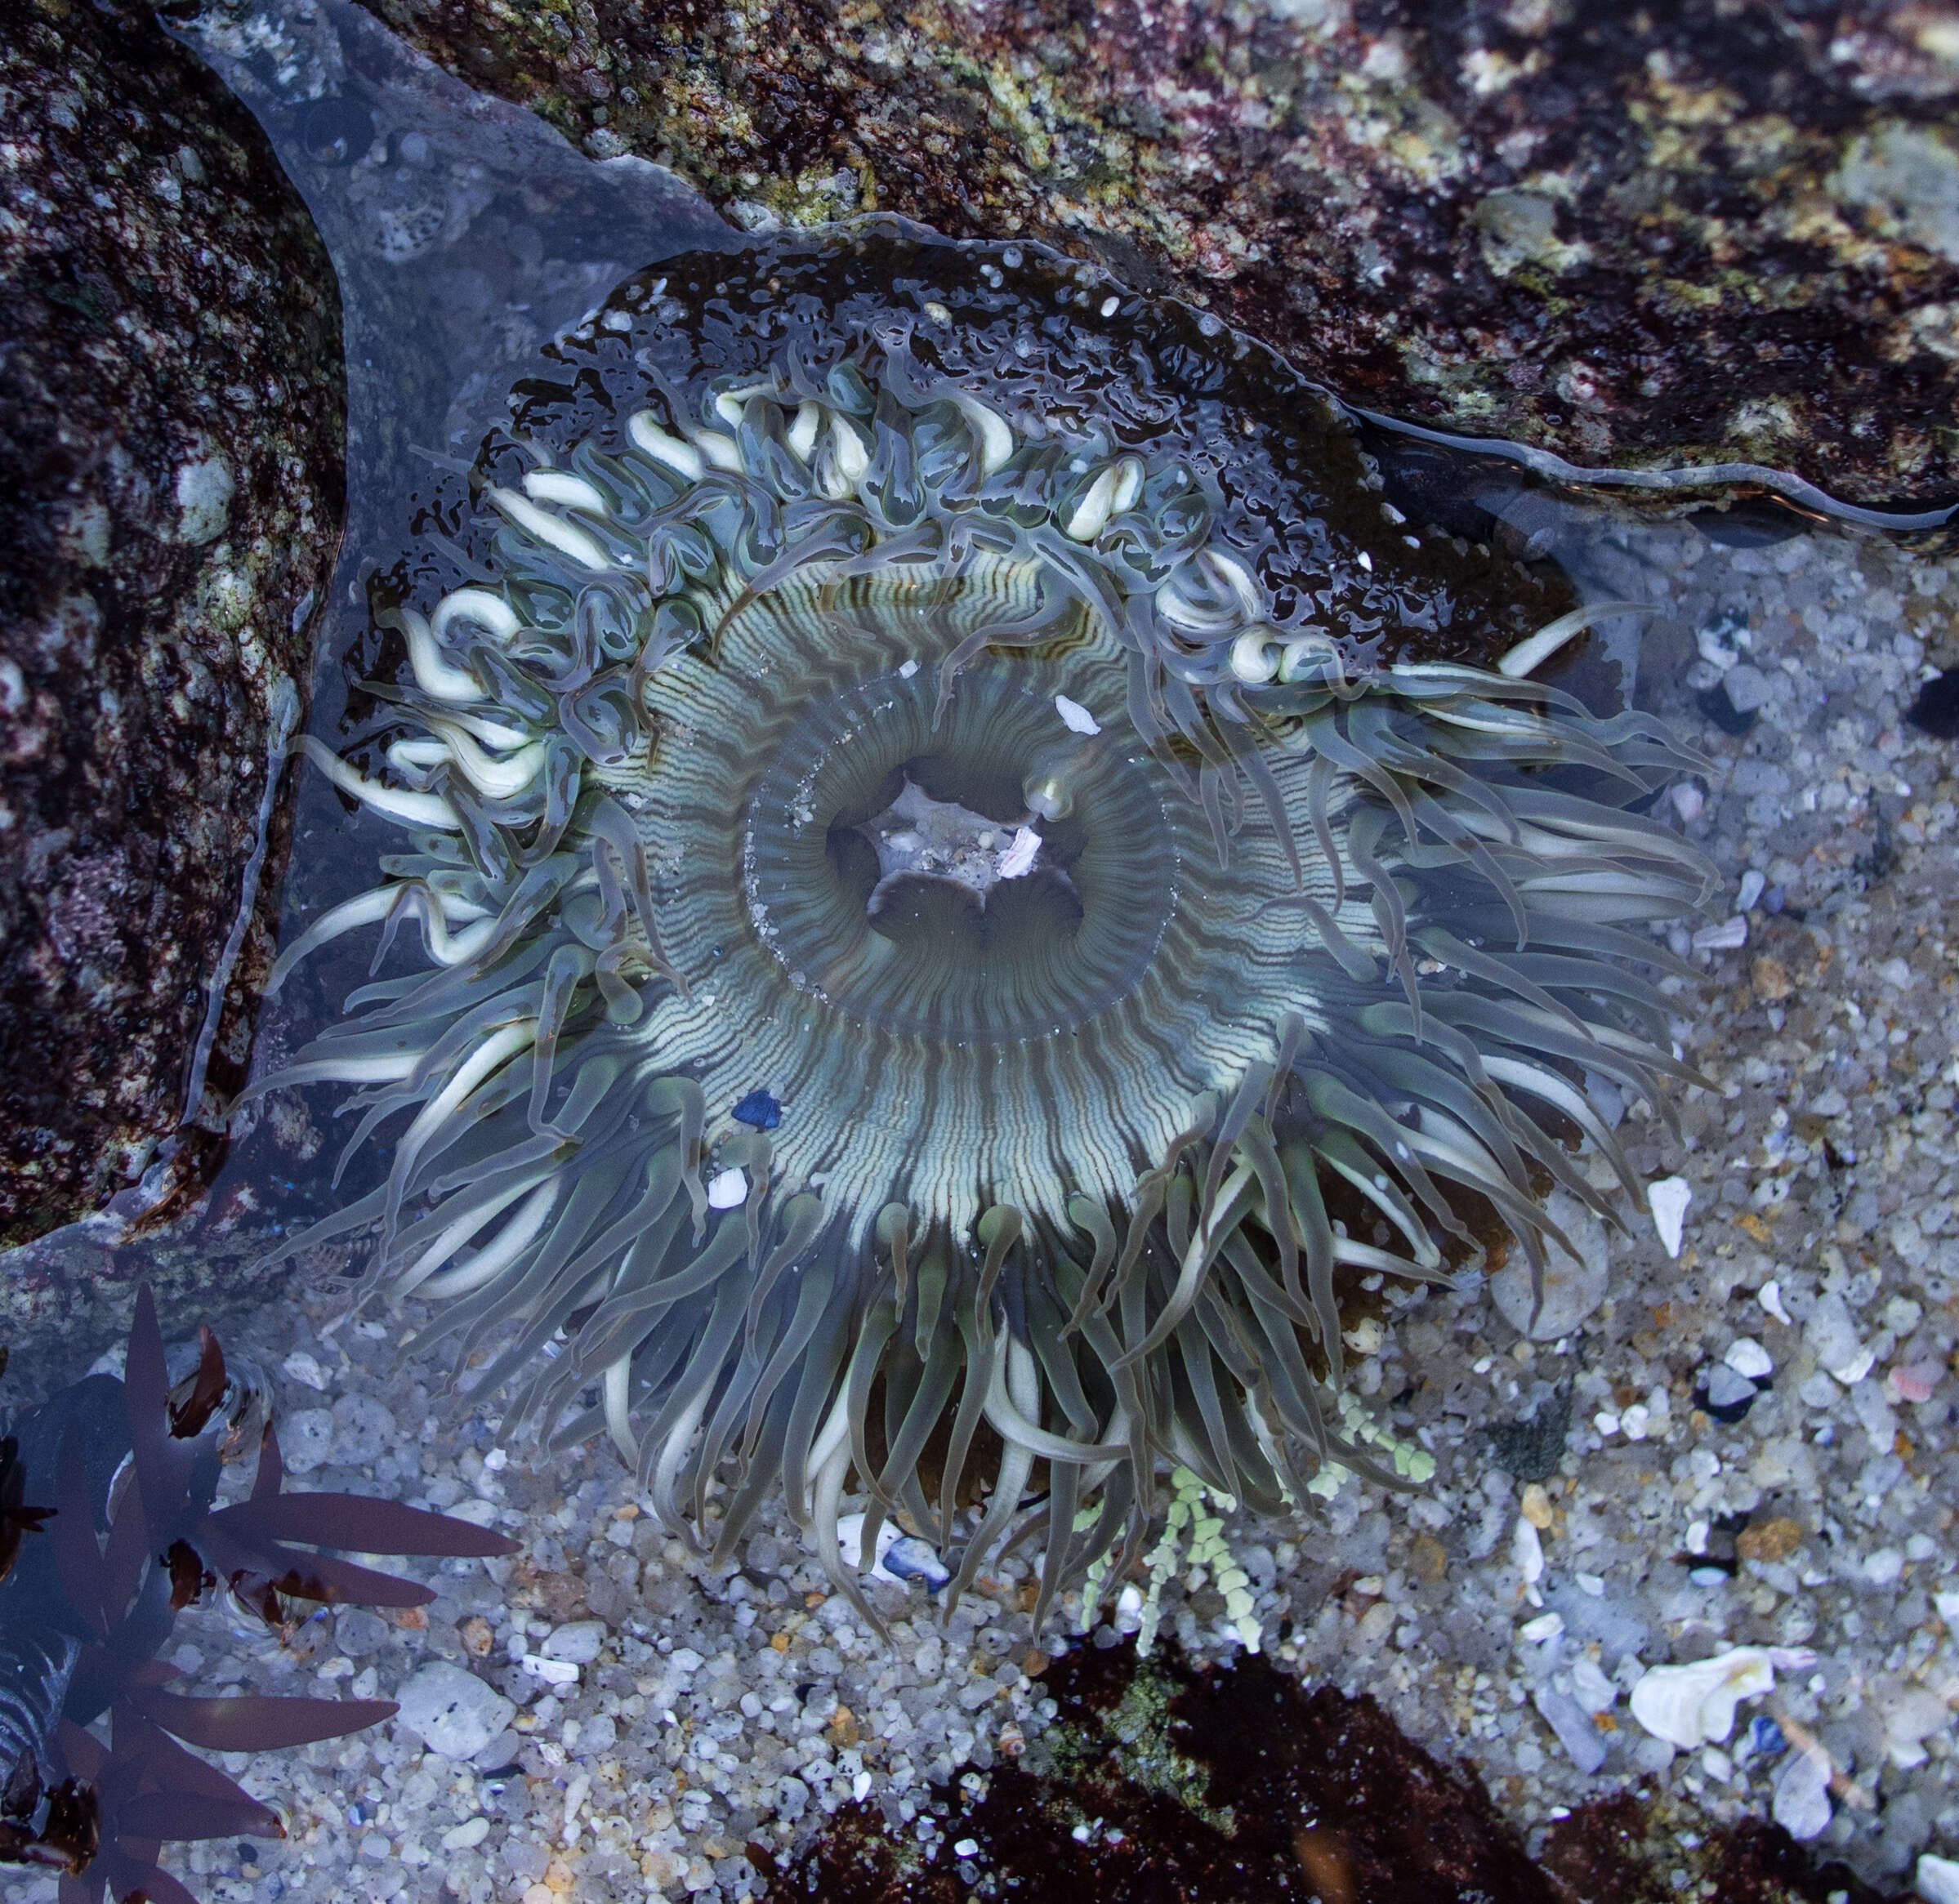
<point>1168,1781</point>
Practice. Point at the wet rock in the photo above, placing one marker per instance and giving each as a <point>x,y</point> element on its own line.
<point>170,426</point>
<point>1654,236</point>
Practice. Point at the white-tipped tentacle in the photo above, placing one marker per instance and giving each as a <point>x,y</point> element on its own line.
<point>490,613</point>
<point>1534,650</point>
<point>417,809</point>
<point>500,1252</point>
<point>566,490</point>
<point>995,433</point>
<point>580,545</point>
<point>436,676</point>
<point>669,451</point>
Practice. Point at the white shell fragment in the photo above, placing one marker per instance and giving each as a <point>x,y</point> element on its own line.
<point>1075,717</point>
<point>1018,858</point>
<point>1770,1295</point>
<point>1691,1705</point>
<point>1725,937</point>
<point>1668,1199</point>
<point>900,1556</point>
<point>727,1188</point>
<point>551,1672</point>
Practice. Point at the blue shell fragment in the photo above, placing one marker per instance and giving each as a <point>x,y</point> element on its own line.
<point>1765,1736</point>
<point>758,1110</point>
<point>911,1558</point>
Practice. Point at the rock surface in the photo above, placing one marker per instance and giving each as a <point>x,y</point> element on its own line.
<point>1706,233</point>
<point>171,405</point>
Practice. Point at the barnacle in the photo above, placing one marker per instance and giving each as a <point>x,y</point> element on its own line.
<point>963,878</point>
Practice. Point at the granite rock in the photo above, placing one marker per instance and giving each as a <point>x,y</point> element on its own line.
<point>1705,232</point>
<point>171,407</point>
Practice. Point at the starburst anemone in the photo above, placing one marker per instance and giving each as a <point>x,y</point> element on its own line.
<point>968,875</point>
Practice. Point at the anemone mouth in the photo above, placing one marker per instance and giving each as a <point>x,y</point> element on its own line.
<point>925,913</point>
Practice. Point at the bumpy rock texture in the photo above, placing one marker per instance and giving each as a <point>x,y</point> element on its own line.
<point>171,408</point>
<point>1706,232</point>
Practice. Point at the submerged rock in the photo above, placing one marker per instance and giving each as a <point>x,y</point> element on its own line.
<point>1704,233</point>
<point>171,408</point>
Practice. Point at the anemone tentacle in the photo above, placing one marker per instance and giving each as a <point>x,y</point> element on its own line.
<point>1104,932</point>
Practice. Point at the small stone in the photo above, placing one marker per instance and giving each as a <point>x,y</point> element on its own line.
<point>1747,1358</point>
<point>1746,687</point>
<point>467,1836</point>
<point>1579,1737</point>
<point>1527,1552</point>
<point>1534,1504</point>
<point>1801,1804</point>
<point>1769,1540</point>
<point>1832,1337</point>
<point>1428,1559</point>
<point>578,1641</point>
<point>452,1711</point>
<point>1884,1567</point>
<point>1936,1879</point>
<point>1915,1383</point>
<point>1769,977</point>
<point>362,1430</point>
<point>305,1440</point>
<point>1729,1396</point>
<point>1573,1286</point>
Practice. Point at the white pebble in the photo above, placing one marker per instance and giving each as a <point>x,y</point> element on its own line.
<point>1937,1879</point>
<point>727,1188</point>
<point>1668,1199</point>
<point>551,1672</point>
<point>1753,882</point>
<point>1883,1567</point>
<point>1801,1805</point>
<point>1747,1358</point>
<point>467,1835</point>
<point>577,1640</point>
<point>1770,1295</point>
<point>1546,1626</point>
<point>452,1711</point>
<point>1606,1422</point>
<point>1527,1552</point>
<point>1689,800</point>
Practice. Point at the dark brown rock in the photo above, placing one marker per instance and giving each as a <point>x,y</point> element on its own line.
<point>171,407</point>
<point>1709,231</point>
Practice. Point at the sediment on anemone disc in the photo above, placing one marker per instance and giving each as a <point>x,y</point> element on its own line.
<point>949,895</point>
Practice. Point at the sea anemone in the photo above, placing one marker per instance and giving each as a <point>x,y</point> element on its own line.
<point>954,913</point>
